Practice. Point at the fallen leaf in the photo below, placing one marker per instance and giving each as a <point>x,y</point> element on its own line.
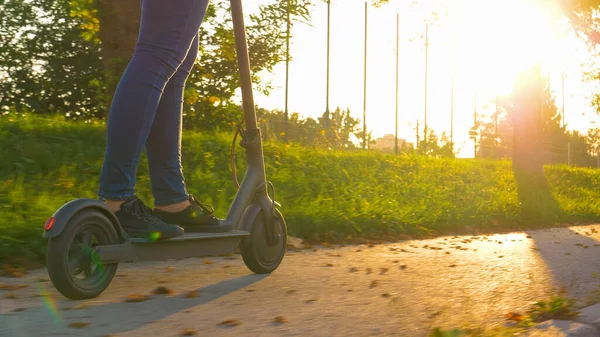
<point>280,319</point>
<point>162,291</point>
<point>207,261</point>
<point>191,294</point>
<point>78,325</point>
<point>513,316</point>
<point>230,322</point>
<point>135,298</point>
<point>170,268</point>
<point>13,287</point>
<point>188,332</point>
<point>10,296</point>
<point>17,273</point>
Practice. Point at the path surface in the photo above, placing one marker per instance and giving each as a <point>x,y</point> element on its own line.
<point>401,289</point>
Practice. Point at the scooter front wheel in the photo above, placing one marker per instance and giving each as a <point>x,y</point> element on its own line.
<point>73,267</point>
<point>256,253</point>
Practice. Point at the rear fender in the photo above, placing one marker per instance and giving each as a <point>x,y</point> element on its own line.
<point>57,223</point>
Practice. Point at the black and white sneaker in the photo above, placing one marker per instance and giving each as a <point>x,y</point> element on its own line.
<point>139,221</point>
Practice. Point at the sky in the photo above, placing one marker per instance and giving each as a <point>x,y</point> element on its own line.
<point>493,41</point>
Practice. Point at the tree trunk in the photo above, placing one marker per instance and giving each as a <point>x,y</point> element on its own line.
<point>527,149</point>
<point>119,29</point>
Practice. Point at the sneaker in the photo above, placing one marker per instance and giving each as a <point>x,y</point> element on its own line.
<point>195,218</point>
<point>138,220</point>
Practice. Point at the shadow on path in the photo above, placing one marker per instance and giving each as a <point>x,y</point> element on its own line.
<point>114,318</point>
<point>569,254</point>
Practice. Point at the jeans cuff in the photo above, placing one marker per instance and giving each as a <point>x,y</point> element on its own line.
<point>103,196</point>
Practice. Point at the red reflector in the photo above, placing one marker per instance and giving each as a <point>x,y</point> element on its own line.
<point>49,223</point>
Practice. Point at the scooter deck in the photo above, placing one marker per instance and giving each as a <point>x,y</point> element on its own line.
<point>192,236</point>
<point>186,246</point>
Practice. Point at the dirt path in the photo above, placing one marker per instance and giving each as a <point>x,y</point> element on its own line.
<point>401,289</point>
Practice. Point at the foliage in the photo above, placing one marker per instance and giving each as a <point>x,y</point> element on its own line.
<point>213,82</point>
<point>340,131</point>
<point>558,306</point>
<point>47,65</point>
<point>51,63</point>
<point>326,194</point>
<point>494,134</point>
<point>436,146</point>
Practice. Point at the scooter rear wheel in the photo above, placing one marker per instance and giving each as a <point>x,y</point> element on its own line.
<point>257,255</point>
<point>73,267</point>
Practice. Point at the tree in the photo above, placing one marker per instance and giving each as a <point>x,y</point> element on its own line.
<point>436,146</point>
<point>48,64</point>
<point>215,79</point>
<point>338,133</point>
<point>64,56</point>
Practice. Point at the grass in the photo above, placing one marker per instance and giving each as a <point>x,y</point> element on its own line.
<point>326,195</point>
<point>559,306</point>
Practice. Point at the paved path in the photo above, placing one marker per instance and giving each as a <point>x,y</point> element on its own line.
<point>401,289</point>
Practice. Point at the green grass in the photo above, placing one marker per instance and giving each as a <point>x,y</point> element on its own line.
<point>325,195</point>
<point>559,306</point>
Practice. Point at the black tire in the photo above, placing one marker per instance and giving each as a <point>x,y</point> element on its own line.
<point>63,272</point>
<point>257,256</point>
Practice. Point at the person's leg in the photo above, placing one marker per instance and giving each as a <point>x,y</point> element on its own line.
<point>163,146</point>
<point>166,32</point>
<point>173,203</point>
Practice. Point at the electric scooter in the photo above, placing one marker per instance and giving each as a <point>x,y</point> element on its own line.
<point>86,241</point>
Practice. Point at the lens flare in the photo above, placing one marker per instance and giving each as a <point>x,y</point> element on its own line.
<point>154,236</point>
<point>49,304</point>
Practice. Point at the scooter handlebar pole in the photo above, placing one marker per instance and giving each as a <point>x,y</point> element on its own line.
<point>241,46</point>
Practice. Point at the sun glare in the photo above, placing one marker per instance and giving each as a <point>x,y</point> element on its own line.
<point>504,38</point>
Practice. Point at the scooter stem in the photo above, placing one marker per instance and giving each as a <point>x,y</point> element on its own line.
<point>253,187</point>
<point>241,46</point>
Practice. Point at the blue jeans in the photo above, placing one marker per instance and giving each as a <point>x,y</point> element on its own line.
<point>146,110</point>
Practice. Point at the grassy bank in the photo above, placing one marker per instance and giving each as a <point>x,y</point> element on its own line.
<point>325,195</point>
